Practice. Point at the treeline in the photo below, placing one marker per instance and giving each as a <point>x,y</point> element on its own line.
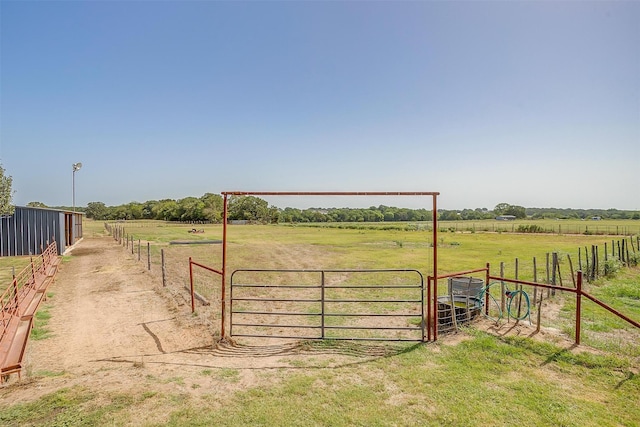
<point>208,208</point>
<point>553,213</point>
<point>247,208</point>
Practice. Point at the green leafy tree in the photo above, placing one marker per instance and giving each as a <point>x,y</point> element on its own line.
<point>135,210</point>
<point>445,215</point>
<point>213,206</point>
<point>507,209</point>
<point>97,210</point>
<point>6,194</point>
<point>36,205</point>
<point>147,209</point>
<point>191,209</point>
<point>166,210</point>
<point>249,208</point>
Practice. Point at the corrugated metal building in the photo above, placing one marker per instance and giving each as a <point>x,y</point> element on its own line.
<point>29,230</point>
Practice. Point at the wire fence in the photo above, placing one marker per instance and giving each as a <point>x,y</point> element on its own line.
<point>590,228</point>
<point>171,264</point>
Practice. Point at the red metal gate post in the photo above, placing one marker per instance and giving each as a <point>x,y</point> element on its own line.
<point>224,263</point>
<point>322,305</point>
<point>435,308</point>
<point>429,323</point>
<point>435,266</point>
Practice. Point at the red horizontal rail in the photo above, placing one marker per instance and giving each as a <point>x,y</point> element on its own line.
<point>330,193</point>
<point>612,310</point>
<point>540,285</point>
<point>213,270</point>
<point>460,273</point>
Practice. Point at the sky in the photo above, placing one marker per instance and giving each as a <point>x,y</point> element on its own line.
<point>531,103</point>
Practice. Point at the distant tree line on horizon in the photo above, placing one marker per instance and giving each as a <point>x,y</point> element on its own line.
<point>208,208</point>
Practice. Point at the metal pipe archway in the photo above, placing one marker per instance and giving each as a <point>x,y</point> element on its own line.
<point>434,195</point>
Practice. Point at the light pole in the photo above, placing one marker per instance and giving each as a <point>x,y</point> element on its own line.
<point>76,168</point>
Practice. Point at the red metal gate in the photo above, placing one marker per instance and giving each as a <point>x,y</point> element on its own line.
<point>380,305</point>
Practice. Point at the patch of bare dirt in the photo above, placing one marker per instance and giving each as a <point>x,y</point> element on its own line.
<point>114,328</point>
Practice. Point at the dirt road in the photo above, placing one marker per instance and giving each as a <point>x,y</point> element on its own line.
<point>114,328</point>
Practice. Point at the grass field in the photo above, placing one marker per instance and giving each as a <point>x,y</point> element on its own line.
<point>552,226</point>
<point>11,265</point>
<point>475,379</point>
<point>372,244</point>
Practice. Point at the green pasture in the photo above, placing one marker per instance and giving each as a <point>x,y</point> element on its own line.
<point>9,265</point>
<point>548,226</point>
<point>328,247</point>
<point>372,246</point>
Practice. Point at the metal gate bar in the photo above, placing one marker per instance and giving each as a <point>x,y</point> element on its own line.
<point>319,317</point>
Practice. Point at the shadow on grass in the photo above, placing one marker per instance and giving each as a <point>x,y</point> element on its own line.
<point>362,352</point>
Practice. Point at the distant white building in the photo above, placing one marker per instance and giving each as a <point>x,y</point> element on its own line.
<point>505,217</point>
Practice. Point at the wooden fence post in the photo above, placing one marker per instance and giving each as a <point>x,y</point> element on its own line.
<point>580,259</point>
<point>148,256</point>
<point>554,264</point>
<point>164,269</point>
<point>586,258</point>
<point>592,274</point>
<point>502,299</point>
<point>535,279</point>
<point>573,277</point>
<point>548,280</point>
<point>518,288</point>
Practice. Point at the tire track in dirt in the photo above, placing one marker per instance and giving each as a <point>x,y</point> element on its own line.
<point>115,329</point>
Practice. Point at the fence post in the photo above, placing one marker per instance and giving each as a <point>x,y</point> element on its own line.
<point>554,264</point>
<point>594,262</point>
<point>557,260</point>
<point>486,284</point>
<point>619,251</point>
<point>573,277</point>
<point>535,279</point>
<point>578,306</point>
<point>548,279</point>
<point>519,288</point>
<point>148,256</point>
<point>586,259</point>
<point>502,300</point>
<point>428,308</point>
<point>322,304</point>
<point>15,295</point>
<point>164,270</point>
<point>193,306</point>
